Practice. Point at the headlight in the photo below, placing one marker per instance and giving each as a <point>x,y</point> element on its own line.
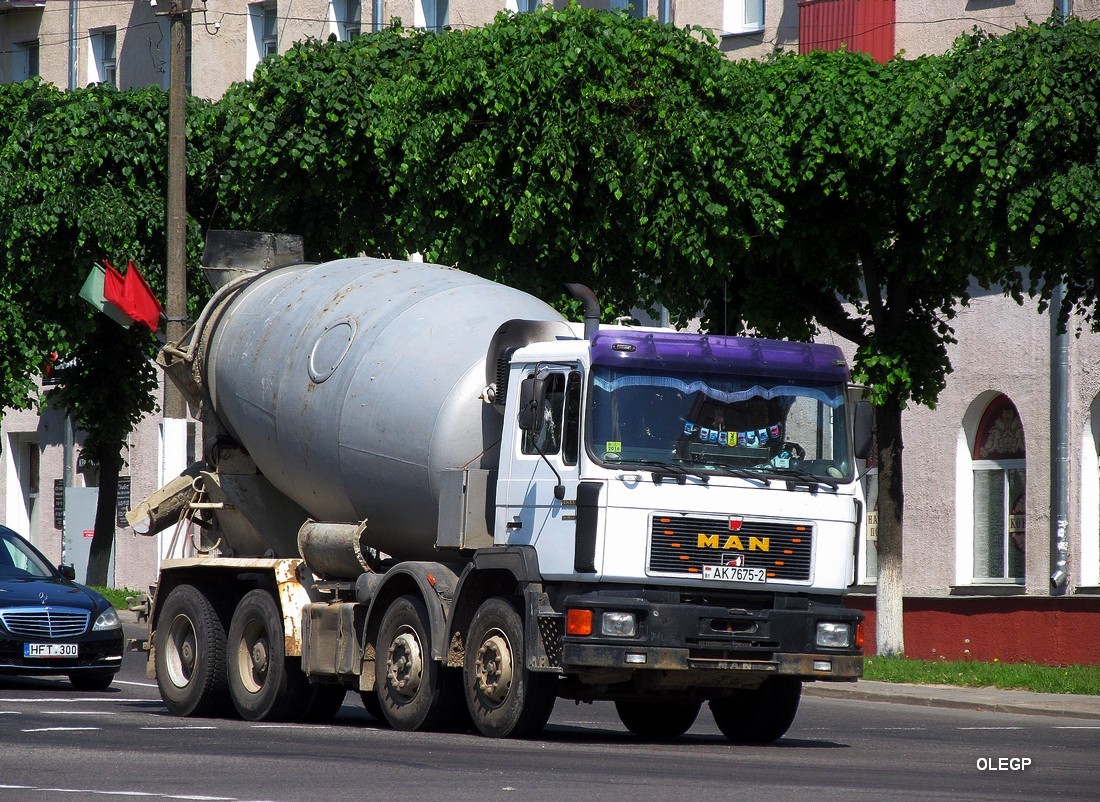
<point>108,619</point>
<point>833,636</point>
<point>618,625</point>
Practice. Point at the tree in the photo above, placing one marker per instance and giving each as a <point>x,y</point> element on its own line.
<point>82,174</point>
<point>544,147</point>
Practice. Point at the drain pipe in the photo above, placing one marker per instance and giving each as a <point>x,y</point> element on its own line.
<point>1059,429</point>
<point>1059,447</point>
<point>591,308</point>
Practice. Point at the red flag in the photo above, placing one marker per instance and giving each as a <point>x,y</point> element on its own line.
<point>131,293</point>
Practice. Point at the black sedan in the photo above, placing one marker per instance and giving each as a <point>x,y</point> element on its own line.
<point>51,625</point>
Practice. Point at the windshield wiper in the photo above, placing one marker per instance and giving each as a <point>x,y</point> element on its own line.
<point>664,469</point>
<point>797,477</point>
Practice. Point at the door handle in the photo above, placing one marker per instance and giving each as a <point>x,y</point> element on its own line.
<point>514,525</point>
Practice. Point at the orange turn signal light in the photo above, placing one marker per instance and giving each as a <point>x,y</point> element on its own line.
<point>859,636</point>
<point>578,622</point>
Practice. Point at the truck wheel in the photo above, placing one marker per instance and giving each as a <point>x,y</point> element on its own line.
<point>263,683</point>
<point>414,691</point>
<point>325,702</point>
<point>504,697</point>
<point>373,706</point>
<point>657,718</point>
<point>190,654</point>
<point>760,716</point>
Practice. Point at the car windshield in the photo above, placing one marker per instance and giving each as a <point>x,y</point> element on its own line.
<point>767,427</point>
<point>19,560</point>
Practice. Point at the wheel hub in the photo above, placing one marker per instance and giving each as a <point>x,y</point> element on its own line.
<point>405,664</point>
<point>494,668</point>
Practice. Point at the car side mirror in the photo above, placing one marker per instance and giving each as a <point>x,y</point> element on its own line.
<point>67,571</point>
<point>863,429</point>
<point>532,398</point>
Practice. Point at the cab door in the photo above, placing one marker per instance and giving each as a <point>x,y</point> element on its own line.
<point>540,484</point>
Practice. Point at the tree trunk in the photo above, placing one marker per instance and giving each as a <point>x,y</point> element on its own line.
<point>889,633</point>
<point>99,556</point>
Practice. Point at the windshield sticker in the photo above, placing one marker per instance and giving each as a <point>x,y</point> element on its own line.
<point>757,438</point>
<point>613,447</point>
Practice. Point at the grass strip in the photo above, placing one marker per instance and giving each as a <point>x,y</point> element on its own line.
<point>1013,676</point>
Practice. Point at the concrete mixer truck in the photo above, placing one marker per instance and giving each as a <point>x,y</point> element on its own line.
<point>434,491</point>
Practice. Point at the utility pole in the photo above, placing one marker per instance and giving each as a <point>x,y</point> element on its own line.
<point>176,263</point>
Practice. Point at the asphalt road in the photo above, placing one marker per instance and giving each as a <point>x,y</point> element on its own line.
<point>58,743</point>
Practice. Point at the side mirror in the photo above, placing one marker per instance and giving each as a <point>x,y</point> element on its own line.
<point>532,398</point>
<point>68,572</point>
<point>862,430</point>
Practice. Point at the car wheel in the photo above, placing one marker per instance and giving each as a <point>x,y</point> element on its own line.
<point>190,654</point>
<point>92,680</point>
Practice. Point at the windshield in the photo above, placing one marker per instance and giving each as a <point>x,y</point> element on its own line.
<point>18,560</point>
<point>719,423</point>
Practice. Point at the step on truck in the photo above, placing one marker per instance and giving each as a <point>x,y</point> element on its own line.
<point>432,490</point>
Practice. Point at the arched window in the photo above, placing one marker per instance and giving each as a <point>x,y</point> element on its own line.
<point>999,494</point>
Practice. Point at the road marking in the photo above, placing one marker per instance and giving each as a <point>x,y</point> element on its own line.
<point>195,727</point>
<point>151,794</point>
<point>65,699</point>
<point>138,684</point>
<point>1080,727</point>
<point>989,727</point>
<point>63,729</point>
<point>76,713</point>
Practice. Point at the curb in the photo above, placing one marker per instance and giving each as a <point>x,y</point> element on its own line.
<point>990,700</point>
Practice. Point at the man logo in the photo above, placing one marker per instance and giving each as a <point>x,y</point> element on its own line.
<point>732,543</point>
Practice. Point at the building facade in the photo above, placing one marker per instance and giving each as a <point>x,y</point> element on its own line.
<point>1001,561</point>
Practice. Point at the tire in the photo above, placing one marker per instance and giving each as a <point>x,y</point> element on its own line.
<point>414,691</point>
<point>373,706</point>
<point>657,718</point>
<point>760,716</point>
<point>264,684</point>
<point>190,654</point>
<point>505,698</point>
<point>92,680</point>
<point>324,703</point>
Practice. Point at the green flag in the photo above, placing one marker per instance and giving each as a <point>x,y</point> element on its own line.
<point>92,292</point>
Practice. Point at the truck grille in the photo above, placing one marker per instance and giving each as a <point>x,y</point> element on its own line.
<point>44,622</point>
<point>680,544</point>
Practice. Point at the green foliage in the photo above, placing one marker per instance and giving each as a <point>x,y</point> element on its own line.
<point>296,147</point>
<point>1009,157</point>
<point>974,674</point>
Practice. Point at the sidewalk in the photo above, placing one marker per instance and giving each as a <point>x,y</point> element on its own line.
<point>989,699</point>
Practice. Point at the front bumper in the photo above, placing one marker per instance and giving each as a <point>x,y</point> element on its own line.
<point>712,641</point>
<point>97,651</point>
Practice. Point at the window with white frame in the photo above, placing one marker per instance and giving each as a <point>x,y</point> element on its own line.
<point>742,16</point>
<point>24,61</point>
<point>347,16</point>
<point>523,6</point>
<point>430,14</point>
<point>102,59</point>
<point>1090,498</point>
<point>263,34</point>
<point>999,495</point>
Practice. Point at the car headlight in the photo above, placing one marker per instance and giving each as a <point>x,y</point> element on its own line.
<point>108,619</point>
<point>619,625</point>
<point>831,635</point>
